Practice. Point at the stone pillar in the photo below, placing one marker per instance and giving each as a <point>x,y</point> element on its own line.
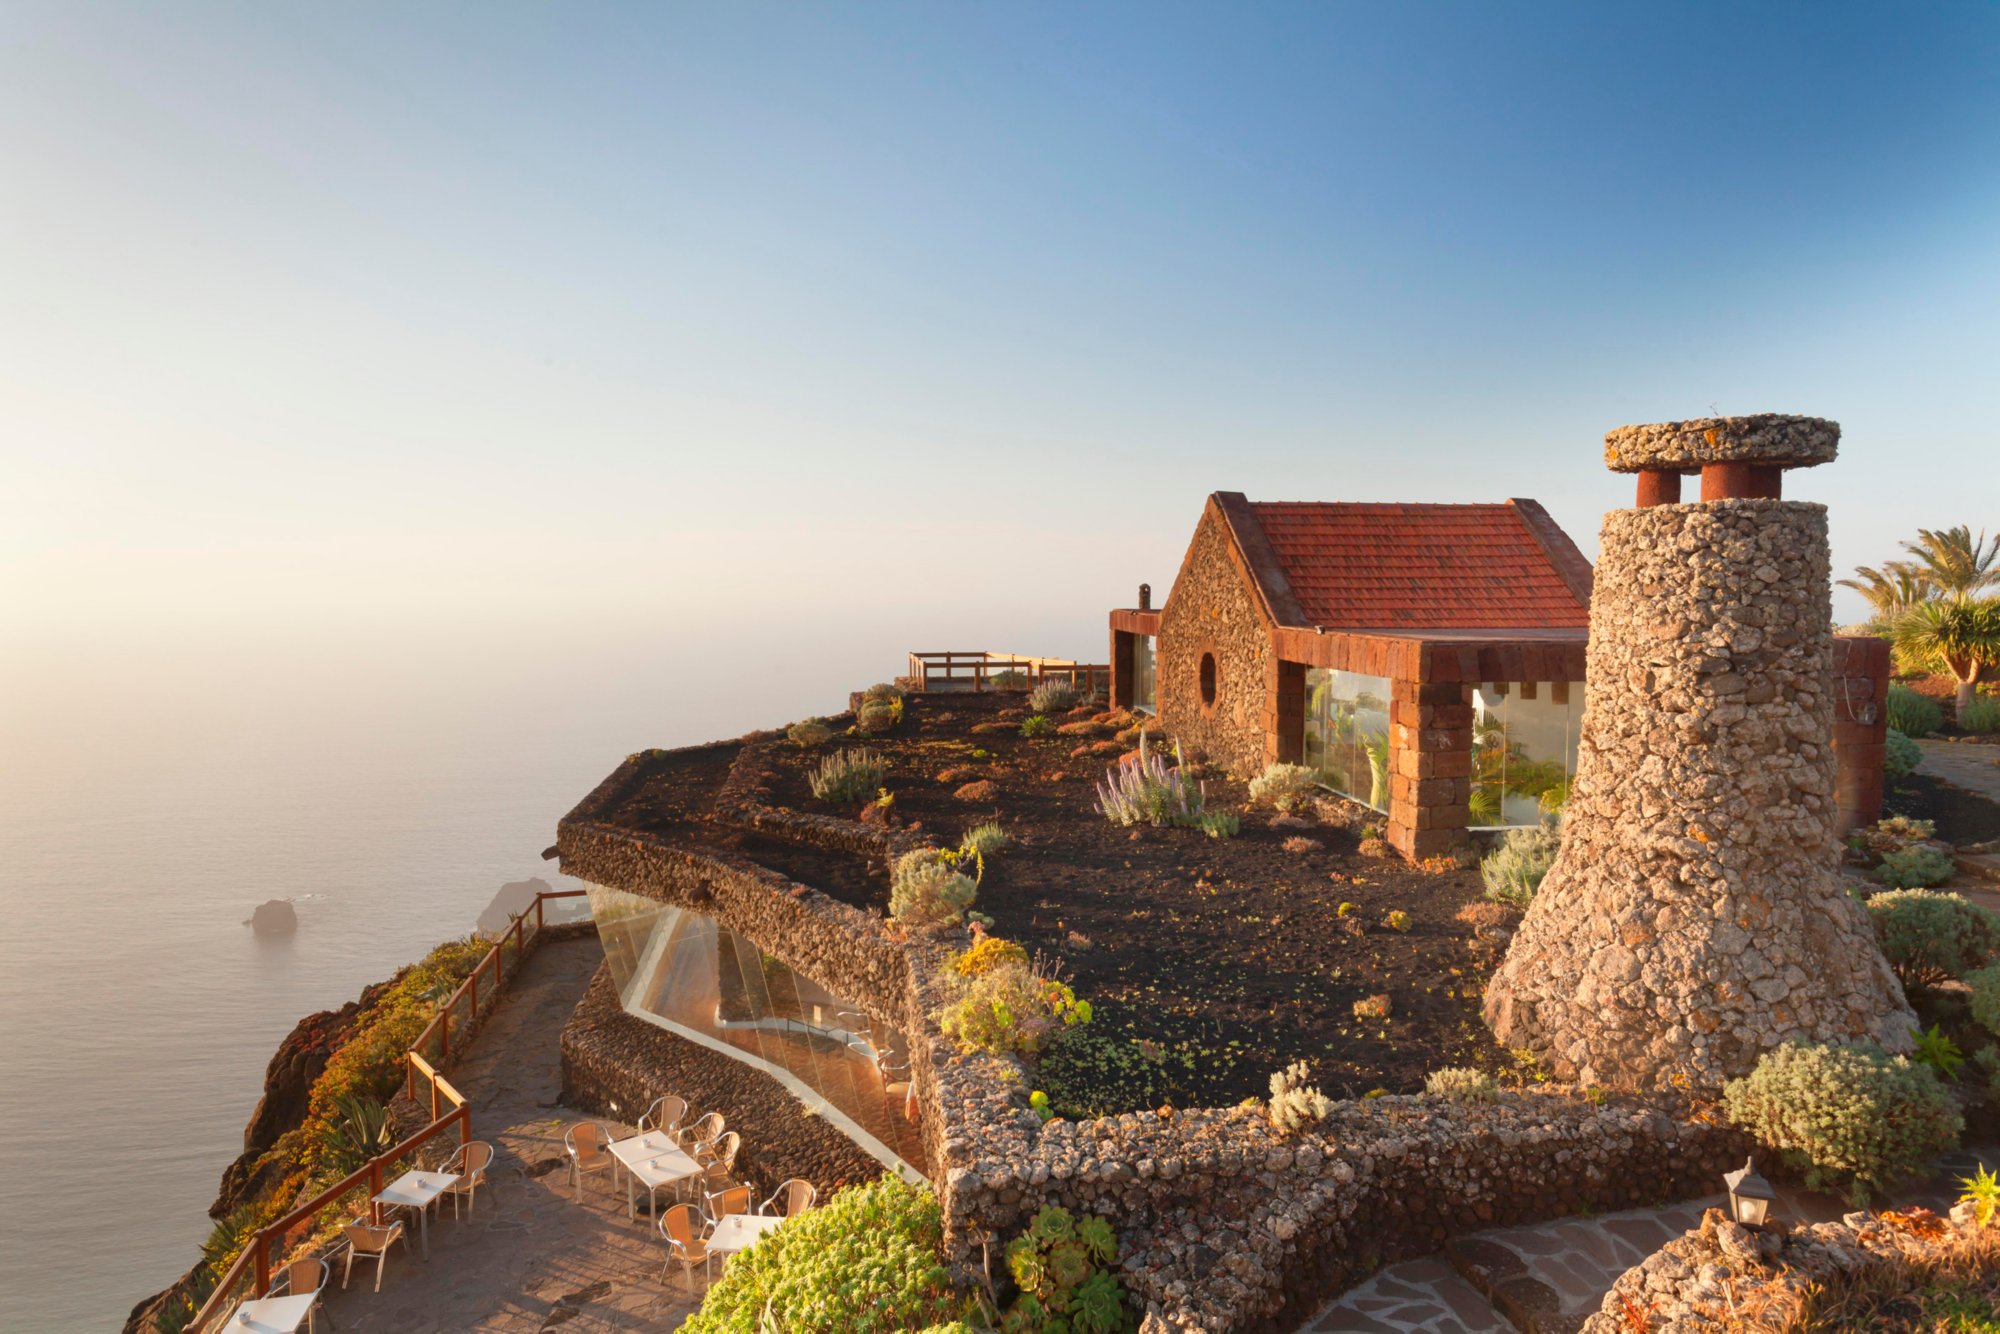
<point>1430,767</point>
<point>1860,726</point>
<point>1694,917</point>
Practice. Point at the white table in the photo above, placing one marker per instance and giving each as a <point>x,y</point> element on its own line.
<point>655,1159</point>
<point>270,1315</point>
<point>418,1190</point>
<point>739,1232</point>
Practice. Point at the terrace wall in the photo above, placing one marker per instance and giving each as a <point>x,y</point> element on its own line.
<point>1225,1223</point>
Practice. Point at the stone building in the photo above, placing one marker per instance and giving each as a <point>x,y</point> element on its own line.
<point>1427,660</point>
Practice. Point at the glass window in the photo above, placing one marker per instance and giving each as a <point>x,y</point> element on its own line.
<point>1144,696</point>
<point>1347,733</point>
<point>1523,750</point>
<point>693,976</point>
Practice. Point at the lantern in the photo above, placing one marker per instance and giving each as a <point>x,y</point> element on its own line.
<point>1750,1195</point>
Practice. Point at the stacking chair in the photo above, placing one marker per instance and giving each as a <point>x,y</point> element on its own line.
<point>792,1199</point>
<point>665,1114</point>
<point>685,1242</point>
<point>589,1146</point>
<point>368,1240</point>
<point>730,1200</point>
<point>718,1159</point>
<point>300,1277</point>
<point>469,1164</point>
<point>701,1134</point>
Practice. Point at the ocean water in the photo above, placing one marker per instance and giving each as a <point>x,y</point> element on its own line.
<point>148,803</point>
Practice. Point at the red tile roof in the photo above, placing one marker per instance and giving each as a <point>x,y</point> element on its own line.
<point>1427,567</point>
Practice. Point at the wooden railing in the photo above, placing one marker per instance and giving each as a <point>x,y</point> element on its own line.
<point>952,668</point>
<point>449,1111</point>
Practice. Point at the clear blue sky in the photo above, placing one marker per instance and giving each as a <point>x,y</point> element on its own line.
<point>927,322</point>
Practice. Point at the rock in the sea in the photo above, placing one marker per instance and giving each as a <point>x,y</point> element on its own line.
<point>274,917</point>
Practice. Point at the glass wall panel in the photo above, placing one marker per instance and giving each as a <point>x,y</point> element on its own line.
<point>1523,750</point>
<point>1145,696</point>
<point>691,975</point>
<point>1347,733</point>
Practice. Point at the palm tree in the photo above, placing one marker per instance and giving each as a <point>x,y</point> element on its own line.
<point>1961,632</point>
<point>1953,561</point>
<point>1890,589</point>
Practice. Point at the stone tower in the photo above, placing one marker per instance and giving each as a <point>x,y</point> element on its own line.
<point>1694,916</point>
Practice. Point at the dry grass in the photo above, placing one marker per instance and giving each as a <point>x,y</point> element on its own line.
<point>1949,1286</point>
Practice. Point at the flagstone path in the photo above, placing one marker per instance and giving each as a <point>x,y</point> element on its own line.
<point>1973,766</point>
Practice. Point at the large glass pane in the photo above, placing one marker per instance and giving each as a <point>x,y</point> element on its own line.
<point>1144,695</point>
<point>691,975</point>
<point>1347,733</point>
<point>1523,750</point>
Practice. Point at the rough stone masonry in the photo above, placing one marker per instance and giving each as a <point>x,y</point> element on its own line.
<point>1694,917</point>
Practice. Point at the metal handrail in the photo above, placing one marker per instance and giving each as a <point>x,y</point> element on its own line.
<point>449,1108</point>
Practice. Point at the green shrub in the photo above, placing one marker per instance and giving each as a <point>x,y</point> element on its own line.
<point>983,840</point>
<point>1513,871</point>
<point>879,715</point>
<point>1012,1008</point>
<point>1900,755</point>
<point>1288,787</point>
<point>848,776</point>
<point>1461,1084</point>
<point>1984,984</point>
<point>882,690</point>
<point>1038,725</point>
<point>1065,1269</point>
<point>1088,1074</point>
<point>1850,1117</point>
<point>926,888</point>
<point>1892,834</point>
<point>1220,824</point>
<point>808,733</point>
<point>1053,696</point>
<point>868,1260</point>
<point>1008,680</point>
<point>1937,1051</point>
<point>1913,714</point>
<point>1931,938</point>
<point>1915,868</point>
<point>1982,715</point>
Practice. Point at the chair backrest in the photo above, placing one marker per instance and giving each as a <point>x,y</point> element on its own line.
<point>474,1157</point>
<point>367,1238</point>
<point>678,1224</point>
<point>706,1130</point>
<point>302,1276</point>
<point>726,1150</point>
<point>799,1196</point>
<point>665,1114</point>
<point>586,1139</point>
<point>735,1200</point>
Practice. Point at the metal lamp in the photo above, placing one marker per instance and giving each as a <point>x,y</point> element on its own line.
<point>1750,1195</point>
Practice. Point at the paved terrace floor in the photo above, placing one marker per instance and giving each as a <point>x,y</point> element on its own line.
<point>530,1258</point>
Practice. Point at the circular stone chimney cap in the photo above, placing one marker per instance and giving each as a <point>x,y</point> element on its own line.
<point>1768,439</point>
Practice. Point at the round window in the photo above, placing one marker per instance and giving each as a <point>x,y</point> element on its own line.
<point>1207,679</point>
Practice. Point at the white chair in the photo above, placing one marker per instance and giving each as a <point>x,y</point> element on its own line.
<point>718,1158</point>
<point>589,1146</point>
<point>664,1115</point>
<point>793,1198</point>
<point>368,1239</point>
<point>300,1277</point>
<point>684,1243</point>
<point>701,1134</point>
<point>469,1165</point>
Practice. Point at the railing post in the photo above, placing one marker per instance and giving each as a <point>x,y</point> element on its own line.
<point>444,1038</point>
<point>540,921</point>
<point>263,1262</point>
<point>473,983</point>
<point>375,1188</point>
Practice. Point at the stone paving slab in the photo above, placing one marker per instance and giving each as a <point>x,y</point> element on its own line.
<point>530,1258</point>
<point>1417,1297</point>
<point>1974,766</point>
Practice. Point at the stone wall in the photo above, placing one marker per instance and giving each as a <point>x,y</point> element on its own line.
<point>1694,917</point>
<point>1430,766</point>
<point>1225,1224</point>
<point>1212,610</point>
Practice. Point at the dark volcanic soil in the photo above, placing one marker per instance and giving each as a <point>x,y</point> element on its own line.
<point>1221,960</point>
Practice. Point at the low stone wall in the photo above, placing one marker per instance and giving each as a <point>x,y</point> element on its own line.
<point>1225,1223</point>
<point>615,1065</point>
